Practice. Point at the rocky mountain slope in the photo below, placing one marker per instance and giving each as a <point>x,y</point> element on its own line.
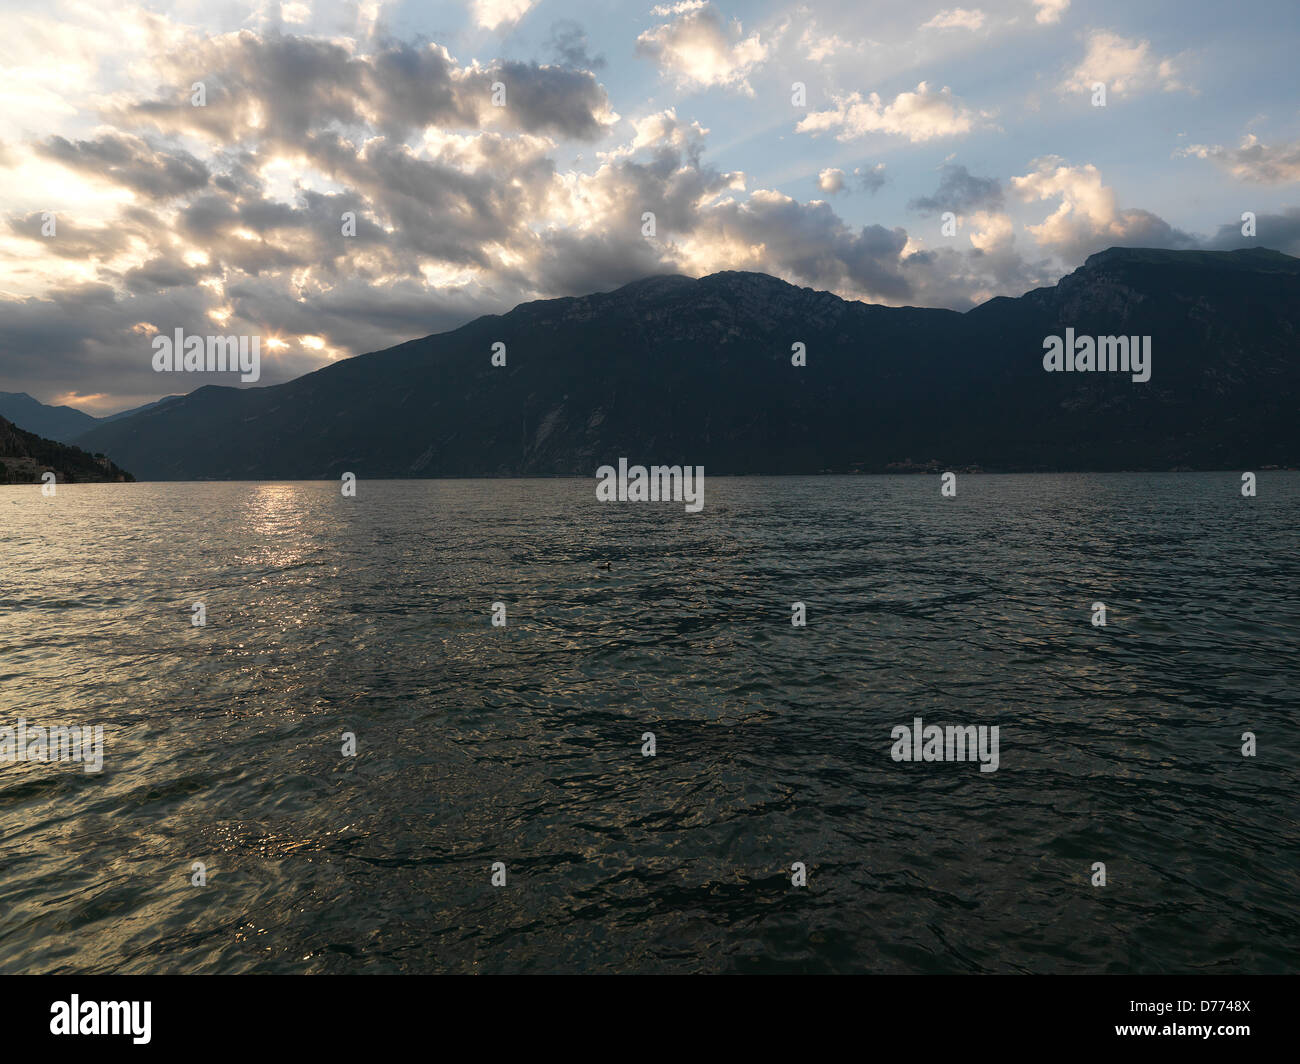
<point>24,457</point>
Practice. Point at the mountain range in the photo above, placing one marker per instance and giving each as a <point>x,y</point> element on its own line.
<point>676,370</point>
<point>63,424</point>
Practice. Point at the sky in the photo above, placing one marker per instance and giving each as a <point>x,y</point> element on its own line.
<point>499,151</point>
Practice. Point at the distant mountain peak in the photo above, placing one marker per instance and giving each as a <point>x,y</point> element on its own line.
<point>1238,258</point>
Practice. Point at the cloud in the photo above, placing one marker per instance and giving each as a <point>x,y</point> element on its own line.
<point>666,129</point>
<point>818,45</point>
<point>1278,231</point>
<point>872,179</point>
<point>74,239</point>
<point>918,116</point>
<point>493,14</point>
<point>959,191</point>
<point>700,52</point>
<point>956,18</point>
<point>1049,11</point>
<point>806,242</point>
<point>568,45</point>
<point>281,89</point>
<point>1123,65</point>
<point>129,161</point>
<point>1087,217</point>
<point>952,277</point>
<point>991,232</point>
<point>831,181</point>
<point>543,99</point>
<point>1253,161</point>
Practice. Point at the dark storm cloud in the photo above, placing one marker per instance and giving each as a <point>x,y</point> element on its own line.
<point>131,162</point>
<point>412,87</point>
<point>278,89</point>
<point>567,45</point>
<point>810,242</point>
<point>1281,232</point>
<point>671,181</point>
<point>960,191</point>
<point>574,263</point>
<point>71,239</point>
<point>547,99</point>
<point>85,336</point>
<point>162,272</point>
<point>280,86</point>
<point>871,179</point>
<point>436,209</point>
<point>1148,230</point>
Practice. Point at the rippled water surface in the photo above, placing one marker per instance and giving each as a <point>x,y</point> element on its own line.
<point>522,744</point>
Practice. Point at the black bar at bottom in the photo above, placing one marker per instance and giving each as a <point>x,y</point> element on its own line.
<point>337,1014</point>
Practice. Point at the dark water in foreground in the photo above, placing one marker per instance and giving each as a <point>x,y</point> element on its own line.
<point>523,745</point>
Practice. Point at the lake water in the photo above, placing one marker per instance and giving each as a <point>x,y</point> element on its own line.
<point>523,744</point>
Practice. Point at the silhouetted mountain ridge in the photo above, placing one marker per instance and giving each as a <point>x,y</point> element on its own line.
<point>66,424</point>
<point>672,369</point>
